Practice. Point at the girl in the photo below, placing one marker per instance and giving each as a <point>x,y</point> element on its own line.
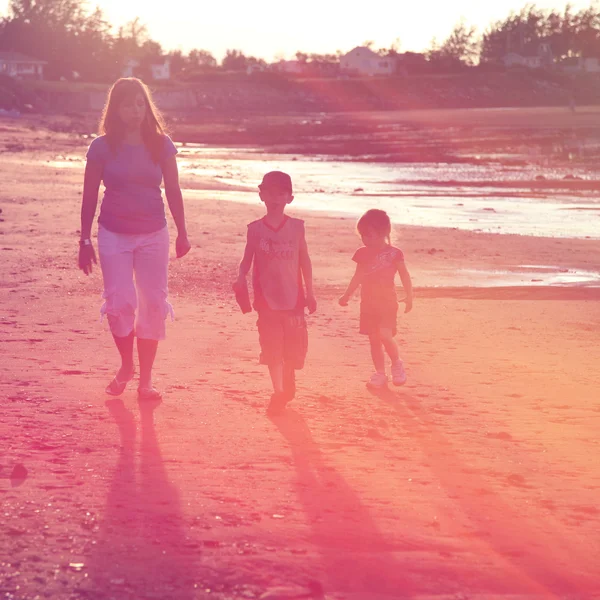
<point>132,156</point>
<point>377,264</point>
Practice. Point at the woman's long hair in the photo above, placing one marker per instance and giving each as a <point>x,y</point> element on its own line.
<point>153,126</point>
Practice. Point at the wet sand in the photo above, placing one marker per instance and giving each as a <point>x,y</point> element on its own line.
<point>478,479</point>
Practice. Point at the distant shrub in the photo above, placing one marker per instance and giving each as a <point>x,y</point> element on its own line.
<point>13,95</point>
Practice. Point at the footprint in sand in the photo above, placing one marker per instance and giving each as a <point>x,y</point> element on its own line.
<point>587,510</point>
<point>501,435</point>
<point>517,480</point>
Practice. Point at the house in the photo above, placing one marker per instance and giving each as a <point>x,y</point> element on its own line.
<point>363,61</point>
<point>161,71</point>
<point>535,55</point>
<point>294,67</point>
<point>158,71</point>
<point>255,67</point>
<point>515,59</point>
<point>580,64</point>
<point>20,66</point>
<point>130,67</point>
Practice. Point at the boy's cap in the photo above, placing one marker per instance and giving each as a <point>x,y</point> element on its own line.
<point>276,179</point>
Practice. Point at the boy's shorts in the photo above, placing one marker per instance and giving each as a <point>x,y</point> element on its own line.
<point>373,320</point>
<point>283,337</point>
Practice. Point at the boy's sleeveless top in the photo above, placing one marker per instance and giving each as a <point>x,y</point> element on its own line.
<point>378,289</point>
<point>276,275</point>
<point>132,201</point>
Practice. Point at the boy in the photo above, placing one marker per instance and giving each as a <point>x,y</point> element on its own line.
<point>277,248</point>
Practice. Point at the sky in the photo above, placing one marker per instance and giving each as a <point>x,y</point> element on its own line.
<point>273,29</point>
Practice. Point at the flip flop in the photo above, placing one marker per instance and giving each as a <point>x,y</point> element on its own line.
<point>116,387</point>
<point>149,394</point>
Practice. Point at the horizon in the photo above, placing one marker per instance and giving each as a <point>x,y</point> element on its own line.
<point>257,36</point>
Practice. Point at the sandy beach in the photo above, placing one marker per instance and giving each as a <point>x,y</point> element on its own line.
<point>477,480</point>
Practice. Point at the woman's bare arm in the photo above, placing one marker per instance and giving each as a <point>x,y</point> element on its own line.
<point>89,203</point>
<point>173,193</point>
<point>175,202</point>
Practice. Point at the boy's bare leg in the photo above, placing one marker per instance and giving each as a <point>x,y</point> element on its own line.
<point>289,381</point>
<point>390,345</point>
<point>276,373</point>
<point>278,401</point>
<point>377,353</point>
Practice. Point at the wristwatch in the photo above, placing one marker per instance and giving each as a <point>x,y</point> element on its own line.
<point>86,242</point>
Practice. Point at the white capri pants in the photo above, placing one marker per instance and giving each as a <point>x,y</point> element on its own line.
<point>147,256</point>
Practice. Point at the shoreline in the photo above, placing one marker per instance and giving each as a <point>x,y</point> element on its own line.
<point>516,137</point>
<point>453,203</point>
<point>432,250</point>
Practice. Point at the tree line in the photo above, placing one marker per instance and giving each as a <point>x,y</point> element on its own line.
<point>79,43</point>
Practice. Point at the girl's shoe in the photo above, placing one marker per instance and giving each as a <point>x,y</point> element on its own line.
<point>398,373</point>
<point>377,381</point>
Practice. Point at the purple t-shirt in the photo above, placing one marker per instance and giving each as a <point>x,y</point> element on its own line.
<point>132,201</point>
<point>276,275</point>
<point>379,268</point>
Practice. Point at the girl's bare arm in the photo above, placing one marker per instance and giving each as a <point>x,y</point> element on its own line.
<point>407,285</point>
<point>352,286</point>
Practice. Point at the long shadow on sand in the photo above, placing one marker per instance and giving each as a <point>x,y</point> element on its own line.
<point>357,559</point>
<point>537,559</point>
<point>141,549</point>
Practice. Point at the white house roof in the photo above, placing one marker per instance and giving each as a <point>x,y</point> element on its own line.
<point>134,62</point>
<point>362,50</point>
<point>17,57</point>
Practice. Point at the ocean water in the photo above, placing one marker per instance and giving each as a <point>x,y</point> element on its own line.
<point>474,197</point>
<point>464,196</point>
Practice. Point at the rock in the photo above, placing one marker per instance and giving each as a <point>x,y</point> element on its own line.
<point>312,591</point>
<point>374,434</point>
<point>19,473</point>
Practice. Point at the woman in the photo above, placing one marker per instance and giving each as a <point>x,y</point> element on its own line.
<point>132,156</point>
